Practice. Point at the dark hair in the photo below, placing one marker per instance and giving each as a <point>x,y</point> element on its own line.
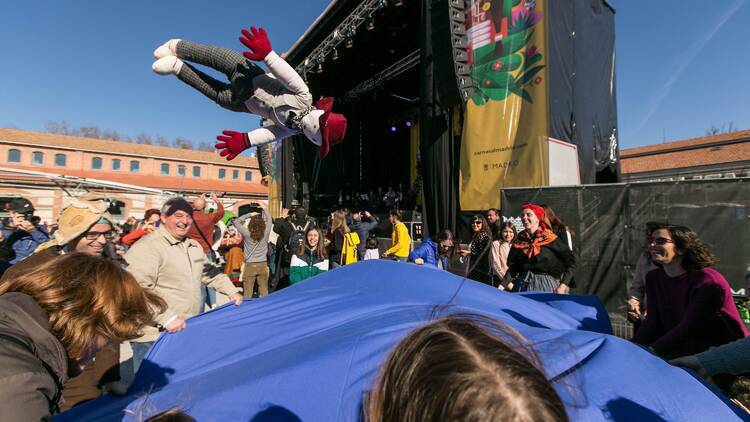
<point>396,213</point>
<point>485,226</point>
<point>464,368</point>
<point>695,253</point>
<point>150,212</point>
<point>372,241</point>
<point>446,234</point>
<point>499,230</point>
<point>172,415</point>
<point>320,250</point>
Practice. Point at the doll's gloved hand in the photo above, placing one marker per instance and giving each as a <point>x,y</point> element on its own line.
<point>257,41</point>
<point>232,143</point>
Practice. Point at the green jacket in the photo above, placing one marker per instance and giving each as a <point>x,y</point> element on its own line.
<point>305,266</point>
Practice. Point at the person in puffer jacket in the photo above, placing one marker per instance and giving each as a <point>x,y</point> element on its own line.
<point>435,253</point>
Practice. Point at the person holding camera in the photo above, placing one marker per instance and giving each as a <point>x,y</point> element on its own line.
<point>363,223</point>
<point>21,236</point>
<point>255,229</point>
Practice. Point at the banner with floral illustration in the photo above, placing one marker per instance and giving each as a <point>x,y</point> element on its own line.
<point>505,122</point>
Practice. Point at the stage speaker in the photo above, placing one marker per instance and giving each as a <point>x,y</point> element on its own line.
<point>306,195</point>
<point>450,55</point>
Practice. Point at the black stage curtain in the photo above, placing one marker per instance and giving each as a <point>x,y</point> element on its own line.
<point>583,107</point>
<point>438,151</point>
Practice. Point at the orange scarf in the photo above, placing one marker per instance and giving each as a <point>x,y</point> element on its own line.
<point>532,247</point>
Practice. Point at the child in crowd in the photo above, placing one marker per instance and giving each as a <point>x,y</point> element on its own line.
<point>372,245</point>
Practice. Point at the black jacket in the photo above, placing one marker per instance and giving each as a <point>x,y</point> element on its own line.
<point>555,259</point>
<point>33,363</point>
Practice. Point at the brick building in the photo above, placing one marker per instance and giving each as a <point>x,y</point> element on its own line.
<point>726,155</point>
<point>45,168</point>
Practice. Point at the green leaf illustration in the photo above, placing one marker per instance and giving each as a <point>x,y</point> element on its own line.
<point>508,63</point>
<point>529,75</point>
<point>526,96</point>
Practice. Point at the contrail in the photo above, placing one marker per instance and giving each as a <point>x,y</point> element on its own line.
<point>685,58</point>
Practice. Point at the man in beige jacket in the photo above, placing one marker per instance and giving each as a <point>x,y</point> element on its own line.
<point>174,266</point>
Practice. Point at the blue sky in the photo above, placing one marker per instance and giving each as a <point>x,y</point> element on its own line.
<point>681,66</point>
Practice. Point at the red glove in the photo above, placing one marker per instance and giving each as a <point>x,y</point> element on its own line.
<point>257,42</point>
<point>232,143</point>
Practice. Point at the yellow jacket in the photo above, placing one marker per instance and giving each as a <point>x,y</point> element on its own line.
<point>400,240</point>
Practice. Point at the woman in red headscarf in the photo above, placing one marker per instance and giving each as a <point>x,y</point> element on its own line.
<point>538,261</point>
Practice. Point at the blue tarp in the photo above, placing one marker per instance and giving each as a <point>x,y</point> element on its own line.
<point>312,351</point>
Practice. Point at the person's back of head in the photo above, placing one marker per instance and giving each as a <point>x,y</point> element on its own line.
<point>372,242</point>
<point>464,368</point>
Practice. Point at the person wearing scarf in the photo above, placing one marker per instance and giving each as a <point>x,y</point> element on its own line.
<point>538,261</point>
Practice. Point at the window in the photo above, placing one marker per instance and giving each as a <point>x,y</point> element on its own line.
<point>96,163</point>
<point>165,169</point>
<point>235,175</point>
<point>14,156</point>
<point>135,166</point>
<point>181,170</point>
<point>196,171</point>
<point>37,157</point>
<point>222,174</point>
<point>248,176</point>
<point>116,164</point>
<point>60,160</point>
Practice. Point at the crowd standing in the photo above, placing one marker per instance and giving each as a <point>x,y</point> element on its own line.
<point>173,260</point>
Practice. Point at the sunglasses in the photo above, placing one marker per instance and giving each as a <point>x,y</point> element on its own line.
<point>476,223</point>
<point>660,241</point>
<point>108,235</point>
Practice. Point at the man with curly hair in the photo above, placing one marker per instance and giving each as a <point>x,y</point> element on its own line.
<point>690,307</point>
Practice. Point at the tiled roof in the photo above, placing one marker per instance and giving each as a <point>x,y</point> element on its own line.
<point>119,147</point>
<point>171,183</point>
<point>705,151</point>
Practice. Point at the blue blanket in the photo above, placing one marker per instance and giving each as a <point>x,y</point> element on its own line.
<point>312,351</point>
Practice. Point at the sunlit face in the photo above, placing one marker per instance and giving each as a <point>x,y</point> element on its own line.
<point>313,237</point>
<point>476,226</point>
<point>529,219</point>
<point>178,224</point>
<point>507,235</point>
<point>153,218</point>
<point>491,217</point>
<point>662,247</point>
<point>95,238</point>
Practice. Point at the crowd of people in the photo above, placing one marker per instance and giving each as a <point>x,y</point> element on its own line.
<point>80,291</point>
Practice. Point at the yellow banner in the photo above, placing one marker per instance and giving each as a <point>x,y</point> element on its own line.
<point>505,123</point>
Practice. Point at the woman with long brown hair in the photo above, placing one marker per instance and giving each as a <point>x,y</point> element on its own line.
<point>338,229</point>
<point>689,304</point>
<point>310,259</point>
<point>255,234</point>
<point>504,235</point>
<point>53,320</point>
<point>464,368</point>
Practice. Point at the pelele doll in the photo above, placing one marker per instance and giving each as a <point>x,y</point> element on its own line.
<point>280,95</point>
